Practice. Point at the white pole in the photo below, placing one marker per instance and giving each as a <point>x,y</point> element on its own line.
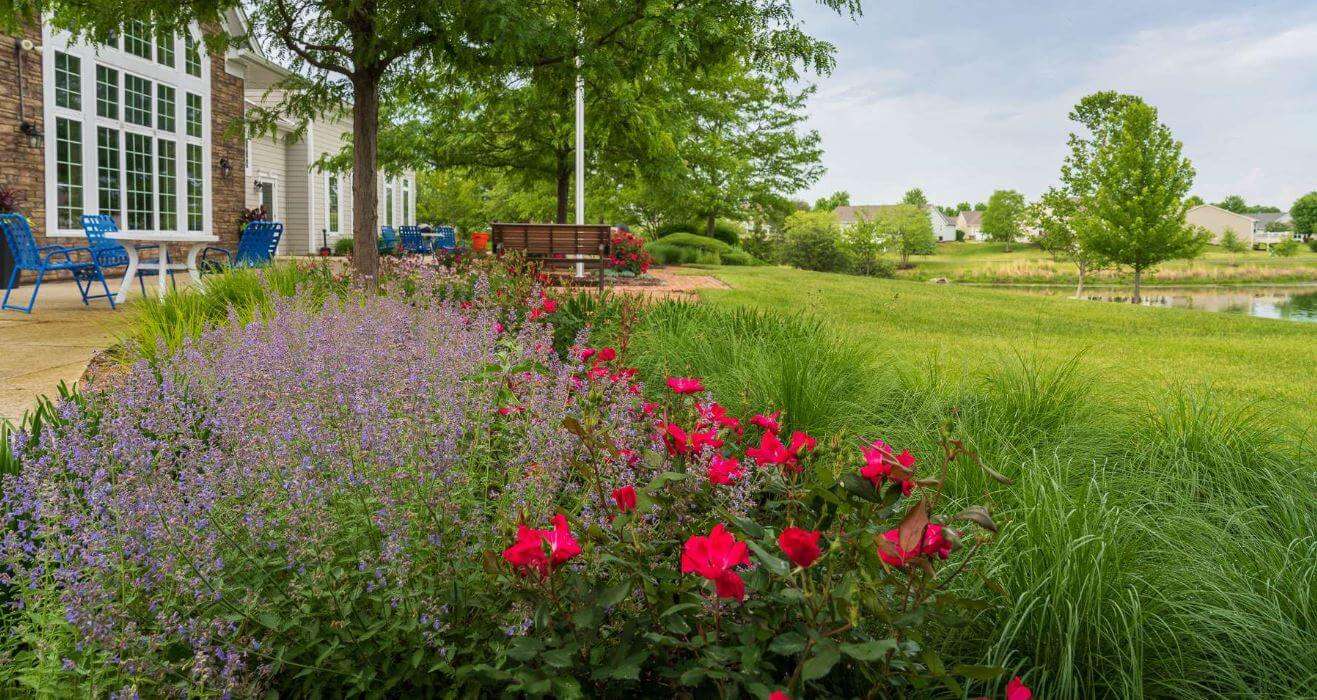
<point>580,154</point>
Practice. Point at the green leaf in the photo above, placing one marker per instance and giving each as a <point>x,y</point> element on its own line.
<point>978,673</point>
<point>788,643</point>
<point>558,658</point>
<point>818,666</point>
<point>749,527</point>
<point>587,617</point>
<point>936,667</point>
<point>614,594</point>
<point>525,648</point>
<point>869,651</point>
<point>678,608</point>
<point>772,563</point>
<point>978,515</point>
<point>269,620</point>
<point>859,486</point>
<point>692,676</point>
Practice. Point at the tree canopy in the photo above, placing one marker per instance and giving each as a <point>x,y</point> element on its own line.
<point>1304,212</point>
<point>1003,220</point>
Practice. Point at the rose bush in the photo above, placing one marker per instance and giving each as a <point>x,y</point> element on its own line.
<point>629,254</point>
<point>413,492</point>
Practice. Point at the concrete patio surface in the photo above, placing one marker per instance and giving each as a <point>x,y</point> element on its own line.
<point>54,343</point>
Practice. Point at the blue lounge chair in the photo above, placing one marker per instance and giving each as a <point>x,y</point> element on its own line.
<point>48,258</point>
<point>388,240</point>
<point>413,243</point>
<point>256,248</point>
<point>447,238</point>
<point>109,252</point>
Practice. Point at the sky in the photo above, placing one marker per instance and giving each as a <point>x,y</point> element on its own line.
<point>961,98</point>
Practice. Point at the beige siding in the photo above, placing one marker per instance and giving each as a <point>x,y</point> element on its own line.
<point>1218,220</point>
<point>267,163</point>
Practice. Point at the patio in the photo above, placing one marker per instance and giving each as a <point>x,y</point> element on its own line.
<point>53,344</point>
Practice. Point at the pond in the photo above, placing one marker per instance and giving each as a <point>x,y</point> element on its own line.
<point>1290,303</point>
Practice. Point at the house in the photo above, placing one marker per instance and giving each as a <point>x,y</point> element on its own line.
<point>970,222</point>
<point>1250,228</point>
<point>142,127</point>
<point>943,228</point>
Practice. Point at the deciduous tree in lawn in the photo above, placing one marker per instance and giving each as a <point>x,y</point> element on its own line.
<point>1137,180</point>
<point>1058,219</point>
<point>1002,221</point>
<point>914,196</point>
<point>905,230</point>
<point>1233,244</point>
<point>1304,213</point>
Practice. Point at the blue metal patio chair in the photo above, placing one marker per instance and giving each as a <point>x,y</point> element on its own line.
<point>388,240</point>
<point>447,238</point>
<point>48,258</point>
<point>256,247</point>
<point>111,253</point>
<point>413,243</point>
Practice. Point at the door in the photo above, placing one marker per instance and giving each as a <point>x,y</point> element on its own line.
<point>266,190</point>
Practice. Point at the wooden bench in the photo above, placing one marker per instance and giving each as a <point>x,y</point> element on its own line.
<point>557,245</point>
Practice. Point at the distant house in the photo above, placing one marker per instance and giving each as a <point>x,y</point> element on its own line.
<point>944,229</point>
<point>970,222</point>
<point>1250,228</point>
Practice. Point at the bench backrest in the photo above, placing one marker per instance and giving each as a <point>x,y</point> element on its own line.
<point>592,242</point>
<point>412,240</point>
<point>21,241</point>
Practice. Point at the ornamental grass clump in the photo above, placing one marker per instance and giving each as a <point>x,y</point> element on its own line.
<point>414,492</point>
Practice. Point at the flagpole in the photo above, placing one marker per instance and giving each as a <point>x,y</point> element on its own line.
<point>580,153</point>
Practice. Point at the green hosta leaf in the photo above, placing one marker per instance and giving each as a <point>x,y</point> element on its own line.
<point>869,651</point>
<point>978,673</point>
<point>818,665</point>
<point>788,643</point>
<point>772,563</point>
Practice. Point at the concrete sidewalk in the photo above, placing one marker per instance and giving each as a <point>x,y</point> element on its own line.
<point>53,344</point>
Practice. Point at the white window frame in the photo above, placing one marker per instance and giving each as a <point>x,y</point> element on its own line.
<point>407,201</point>
<point>113,56</point>
<point>334,184</point>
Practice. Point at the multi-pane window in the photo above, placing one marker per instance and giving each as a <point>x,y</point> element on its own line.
<point>164,48</point>
<point>68,81</point>
<point>107,171</point>
<point>331,198</point>
<point>107,92</point>
<point>121,151</point>
<point>191,56</point>
<point>167,174</point>
<point>388,202</point>
<point>193,115</point>
<point>194,191</point>
<point>141,193</point>
<point>164,107</point>
<point>137,38</point>
<point>68,172</point>
<point>137,100</point>
<point>406,201</point>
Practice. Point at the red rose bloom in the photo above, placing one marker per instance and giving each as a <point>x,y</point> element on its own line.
<point>625,498</point>
<point>880,465</point>
<point>713,557</point>
<point>768,422</point>
<point>934,544</point>
<point>542,551</point>
<point>801,546</point>
<point>723,470</point>
<point>1017,690</point>
<point>685,385</point>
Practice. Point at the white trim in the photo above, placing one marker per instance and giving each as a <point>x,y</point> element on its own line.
<point>56,40</point>
<point>337,190</point>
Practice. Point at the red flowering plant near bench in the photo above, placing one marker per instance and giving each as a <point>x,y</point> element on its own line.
<point>629,254</point>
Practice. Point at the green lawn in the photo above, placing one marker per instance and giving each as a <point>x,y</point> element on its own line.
<point>1132,353</point>
<point>997,262</point>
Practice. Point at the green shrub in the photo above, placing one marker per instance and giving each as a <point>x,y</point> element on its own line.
<point>343,246</point>
<point>677,227</point>
<point>665,254</point>
<point>691,240</point>
<point>762,246</point>
<point>728,232</point>
<point>1286,248</point>
<point>813,243</point>
<point>738,257</point>
<point>1312,244</point>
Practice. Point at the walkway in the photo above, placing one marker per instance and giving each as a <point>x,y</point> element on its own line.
<point>51,345</point>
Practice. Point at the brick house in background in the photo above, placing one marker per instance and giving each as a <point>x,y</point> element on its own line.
<point>147,129</point>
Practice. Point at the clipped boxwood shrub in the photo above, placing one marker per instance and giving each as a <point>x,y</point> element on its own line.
<point>728,232</point>
<point>690,240</point>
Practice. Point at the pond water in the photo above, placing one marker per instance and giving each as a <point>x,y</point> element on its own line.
<point>1290,303</point>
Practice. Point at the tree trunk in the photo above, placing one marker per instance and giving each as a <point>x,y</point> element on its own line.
<point>1083,269</point>
<point>564,190</point>
<point>1138,278</point>
<point>710,224</point>
<point>365,194</point>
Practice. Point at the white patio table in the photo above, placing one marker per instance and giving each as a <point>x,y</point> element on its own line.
<point>131,239</point>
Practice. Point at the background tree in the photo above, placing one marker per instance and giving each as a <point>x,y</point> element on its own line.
<point>864,244</point>
<point>812,242</point>
<point>904,229</point>
<point>1193,201</point>
<point>915,196</point>
<point>1304,213</point>
<point>1058,219</point>
<point>1233,203</point>
<point>1136,181</point>
<point>1004,216</point>
<point>840,198</point>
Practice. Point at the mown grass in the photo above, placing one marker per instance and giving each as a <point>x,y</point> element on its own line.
<point>1167,551</point>
<point>998,263</point>
<point>1132,352</point>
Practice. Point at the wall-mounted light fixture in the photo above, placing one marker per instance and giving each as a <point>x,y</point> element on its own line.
<point>35,139</point>
<point>226,168</point>
<point>256,184</point>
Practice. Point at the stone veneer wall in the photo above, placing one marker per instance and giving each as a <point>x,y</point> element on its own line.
<point>228,195</point>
